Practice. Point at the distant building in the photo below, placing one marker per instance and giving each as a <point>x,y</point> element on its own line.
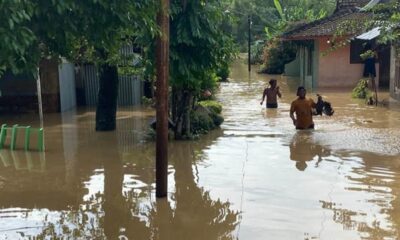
<point>322,64</point>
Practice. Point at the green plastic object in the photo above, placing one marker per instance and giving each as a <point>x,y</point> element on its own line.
<point>40,140</point>
<point>3,135</point>
<point>14,136</point>
<point>14,132</point>
<point>27,137</point>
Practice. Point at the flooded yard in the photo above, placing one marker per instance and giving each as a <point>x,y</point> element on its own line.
<point>255,178</point>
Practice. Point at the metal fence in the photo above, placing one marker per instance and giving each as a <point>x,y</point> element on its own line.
<point>130,87</point>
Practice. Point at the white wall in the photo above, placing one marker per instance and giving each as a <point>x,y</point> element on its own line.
<point>66,77</point>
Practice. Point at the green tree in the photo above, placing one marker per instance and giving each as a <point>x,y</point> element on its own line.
<point>93,30</point>
<point>198,48</point>
<point>107,26</point>
<point>276,52</point>
<point>274,16</point>
<point>386,16</point>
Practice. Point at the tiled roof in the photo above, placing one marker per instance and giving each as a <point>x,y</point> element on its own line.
<point>351,3</point>
<point>346,10</point>
<point>324,27</point>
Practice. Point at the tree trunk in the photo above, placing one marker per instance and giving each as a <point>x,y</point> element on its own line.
<point>106,111</point>
<point>188,109</point>
<point>182,102</point>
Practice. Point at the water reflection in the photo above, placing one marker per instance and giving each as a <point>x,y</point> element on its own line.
<point>98,191</point>
<point>303,148</point>
<point>372,180</point>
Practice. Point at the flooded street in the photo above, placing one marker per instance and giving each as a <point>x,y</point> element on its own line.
<point>255,178</point>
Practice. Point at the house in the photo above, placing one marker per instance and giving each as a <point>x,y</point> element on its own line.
<point>19,92</point>
<point>324,61</point>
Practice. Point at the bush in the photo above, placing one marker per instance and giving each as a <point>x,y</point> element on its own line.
<point>200,124</point>
<point>206,117</point>
<point>147,101</point>
<point>361,90</point>
<point>217,119</point>
<point>276,54</point>
<point>257,52</point>
<point>223,71</point>
<point>213,106</point>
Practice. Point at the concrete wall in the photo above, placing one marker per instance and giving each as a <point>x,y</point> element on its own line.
<point>293,68</point>
<point>334,68</point>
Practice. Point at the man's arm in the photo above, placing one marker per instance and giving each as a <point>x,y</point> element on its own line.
<point>292,115</point>
<point>278,92</point>
<point>263,97</point>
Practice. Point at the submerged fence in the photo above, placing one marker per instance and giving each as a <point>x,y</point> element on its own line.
<point>130,86</point>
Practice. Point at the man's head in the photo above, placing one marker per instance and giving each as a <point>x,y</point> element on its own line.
<point>301,165</point>
<point>301,92</point>
<point>272,82</point>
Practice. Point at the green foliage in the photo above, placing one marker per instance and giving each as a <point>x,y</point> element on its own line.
<point>73,29</point>
<point>270,18</point>
<point>18,41</point>
<point>223,71</point>
<point>217,119</point>
<point>204,121</point>
<point>279,9</point>
<point>367,54</point>
<point>361,90</point>
<point>147,101</point>
<point>383,15</point>
<point>257,52</point>
<point>211,105</point>
<point>276,54</point>
<point>198,46</point>
<point>201,124</point>
<point>386,16</point>
<point>209,81</point>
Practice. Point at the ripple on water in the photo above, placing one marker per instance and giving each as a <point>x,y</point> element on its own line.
<point>378,141</point>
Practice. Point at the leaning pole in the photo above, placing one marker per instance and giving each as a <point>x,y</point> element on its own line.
<point>162,65</point>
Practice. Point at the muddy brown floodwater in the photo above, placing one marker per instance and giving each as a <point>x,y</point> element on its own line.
<point>255,178</point>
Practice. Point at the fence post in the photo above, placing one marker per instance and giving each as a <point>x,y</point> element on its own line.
<point>14,136</point>
<point>3,135</point>
<point>27,137</point>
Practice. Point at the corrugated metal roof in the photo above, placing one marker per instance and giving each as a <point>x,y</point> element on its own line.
<point>370,5</point>
<point>371,34</point>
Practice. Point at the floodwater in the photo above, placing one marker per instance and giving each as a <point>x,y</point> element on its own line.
<point>255,178</point>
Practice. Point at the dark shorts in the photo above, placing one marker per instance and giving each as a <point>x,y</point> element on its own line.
<point>310,127</point>
<point>272,105</point>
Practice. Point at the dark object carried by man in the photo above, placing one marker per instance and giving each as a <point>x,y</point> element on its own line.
<point>323,107</point>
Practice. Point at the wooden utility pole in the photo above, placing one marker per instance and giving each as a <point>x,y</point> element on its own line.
<point>249,42</point>
<point>162,63</point>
